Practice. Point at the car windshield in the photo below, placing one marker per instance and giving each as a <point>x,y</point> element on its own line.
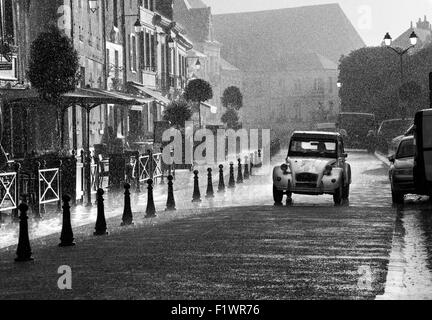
<point>406,149</point>
<point>392,129</point>
<point>313,148</point>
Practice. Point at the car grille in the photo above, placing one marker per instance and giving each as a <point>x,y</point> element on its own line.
<point>307,185</point>
<point>307,177</point>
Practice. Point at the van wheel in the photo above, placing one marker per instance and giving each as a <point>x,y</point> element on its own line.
<point>277,196</point>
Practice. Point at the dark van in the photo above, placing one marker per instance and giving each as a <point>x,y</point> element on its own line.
<point>358,129</point>
<point>423,152</point>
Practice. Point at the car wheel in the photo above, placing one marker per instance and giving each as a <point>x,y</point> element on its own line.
<point>397,198</point>
<point>277,196</point>
<point>346,192</point>
<point>337,197</point>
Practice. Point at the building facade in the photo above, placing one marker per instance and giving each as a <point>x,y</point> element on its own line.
<point>197,19</point>
<point>291,77</point>
<point>144,60</point>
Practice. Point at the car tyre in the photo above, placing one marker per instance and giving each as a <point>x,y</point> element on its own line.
<point>397,198</point>
<point>346,192</point>
<point>277,196</point>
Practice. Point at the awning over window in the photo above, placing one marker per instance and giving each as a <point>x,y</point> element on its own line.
<point>150,92</point>
<point>213,109</point>
<point>90,97</point>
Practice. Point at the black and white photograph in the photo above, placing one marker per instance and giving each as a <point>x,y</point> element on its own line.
<point>215,155</point>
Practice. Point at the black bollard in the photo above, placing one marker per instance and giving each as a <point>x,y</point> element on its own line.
<point>196,193</point>
<point>231,183</point>
<point>171,205</point>
<point>127,212</point>
<point>67,239</point>
<point>101,227</point>
<point>210,191</point>
<point>151,209</point>
<point>221,187</point>
<point>24,250</point>
<point>246,169</point>
<point>239,172</point>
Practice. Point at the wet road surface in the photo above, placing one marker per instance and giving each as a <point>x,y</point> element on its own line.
<point>240,246</point>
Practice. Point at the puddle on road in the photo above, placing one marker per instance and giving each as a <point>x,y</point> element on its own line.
<point>410,268</point>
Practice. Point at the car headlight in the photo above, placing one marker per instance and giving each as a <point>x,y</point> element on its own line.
<point>328,170</point>
<point>285,168</point>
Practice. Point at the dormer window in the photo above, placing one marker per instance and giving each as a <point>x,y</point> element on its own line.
<point>147,4</point>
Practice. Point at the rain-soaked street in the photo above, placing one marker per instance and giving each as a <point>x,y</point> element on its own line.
<point>239,246</point>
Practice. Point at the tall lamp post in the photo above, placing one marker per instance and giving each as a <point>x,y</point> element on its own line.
<point>197,68</point>
<point>388,41</point>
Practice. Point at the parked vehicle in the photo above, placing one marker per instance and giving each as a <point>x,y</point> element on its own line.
<point>327,127</point>
<point>358,128</point>
<point>315,165</point>
<point>389,130</point>
<point>401,170</point>
<point>423,152</point>
<point>394,144</point>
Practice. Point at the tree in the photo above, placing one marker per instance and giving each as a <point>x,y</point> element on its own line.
<point>54,64</point>
<point>232,98</point>
<point>53,70</point>
<point>177,113</point>
<point>231,119</point>
<point>371,82</point>
<point>198,90</point>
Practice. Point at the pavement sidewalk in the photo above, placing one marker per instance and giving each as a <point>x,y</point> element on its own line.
<point>84,216</point>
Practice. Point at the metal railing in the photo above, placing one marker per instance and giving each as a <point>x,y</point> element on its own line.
<point>49,186</point>
<point>8,191</point>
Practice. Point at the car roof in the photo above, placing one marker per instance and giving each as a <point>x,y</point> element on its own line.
<point>407,138</point>
<point>357,114</point>
<point>395,120</point>
<point>316,134</point>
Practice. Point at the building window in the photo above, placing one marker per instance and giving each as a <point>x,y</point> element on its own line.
<point>148,4</point>
<point>330,84</point>
<point>115,13</point>
<point>297,111</point>
<point>319,85</point>
<point>147,50</point>
<point>7,23</point>
<point>133,52</point>
<point>116,64</point>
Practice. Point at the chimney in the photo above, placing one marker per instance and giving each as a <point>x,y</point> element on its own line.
<point>165,8</point>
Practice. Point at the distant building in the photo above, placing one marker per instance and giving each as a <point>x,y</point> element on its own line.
<point>197,19</point>
<point>289,59</point>
<point>423,30</point>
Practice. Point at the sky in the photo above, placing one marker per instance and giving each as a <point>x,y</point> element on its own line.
<point>371,18</point>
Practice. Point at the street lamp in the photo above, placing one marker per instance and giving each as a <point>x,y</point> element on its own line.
<point>198,65</point>
<point>93,4</point>
<point>170,42</point>
<point>137,25</point>
<point>388,41</point>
